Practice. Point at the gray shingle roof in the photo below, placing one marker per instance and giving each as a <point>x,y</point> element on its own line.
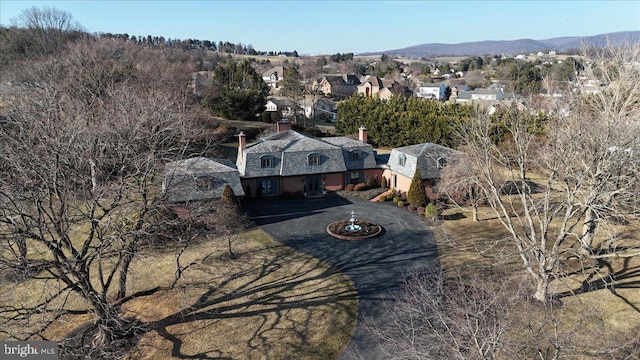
<point>289,152</point>
<point>180,179</point>
<point>422,156</point>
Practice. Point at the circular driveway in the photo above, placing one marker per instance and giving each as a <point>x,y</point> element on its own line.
<point>377,266</point>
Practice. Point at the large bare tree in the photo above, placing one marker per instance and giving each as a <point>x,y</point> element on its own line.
<point>81,158</point>
<point>585,166</point>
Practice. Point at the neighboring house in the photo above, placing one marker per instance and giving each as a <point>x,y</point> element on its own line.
<point>428,157</point>
<point>432,91</point>
<point>290,162</point>
<point>283,106</point>
<point>199,178</point>
<point>480,94</point>
<point>382,88</point>
<point>326,109</point>
<point>341,86</point>
<point>273,77</point>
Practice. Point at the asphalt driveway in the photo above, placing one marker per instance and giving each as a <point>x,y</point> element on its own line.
<point>377,266</point>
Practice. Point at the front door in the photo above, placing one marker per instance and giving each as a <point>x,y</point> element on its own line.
<point>314,185</point>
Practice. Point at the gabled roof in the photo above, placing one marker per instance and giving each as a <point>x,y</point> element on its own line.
<point>374,80</point>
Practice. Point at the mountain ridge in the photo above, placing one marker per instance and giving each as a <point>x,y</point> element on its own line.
<point>499,47</point>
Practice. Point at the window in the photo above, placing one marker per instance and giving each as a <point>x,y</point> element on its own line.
<point>402,160</point>
<point>354,155</point>
<point>355,178</point>
<point>207,183</point>
<point>267,187</point>
<point>266,162</point>
<point>313,159</point>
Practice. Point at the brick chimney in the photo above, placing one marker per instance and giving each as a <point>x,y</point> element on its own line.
<point>283,125</point>
<point>242,144</point>
<point>362,134</point>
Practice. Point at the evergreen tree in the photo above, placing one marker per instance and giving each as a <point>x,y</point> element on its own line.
<point>237,91</point>
<point>416,195</point>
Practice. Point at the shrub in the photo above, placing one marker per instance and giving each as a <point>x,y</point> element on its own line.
<point>431,212</point>
<point>349,187</point>
<point>400,203</point>
<point>382,199</point>
<point>376,183</point>
<point>369,182</point>
<point>360,187</point>
<point>396,199</point>
<point>416,193</point>
<point>420,210</point>
<point>384,182</point>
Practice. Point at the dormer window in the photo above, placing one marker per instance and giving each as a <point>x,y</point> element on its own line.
<point>313,159</point>
<point>441,162</point>
<point>354,155</point>
<point>266,162</point>
<point>402,160</point>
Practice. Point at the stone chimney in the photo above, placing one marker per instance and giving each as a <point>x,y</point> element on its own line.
<point>283,125</point>
<point>362,134</point>
<point>242,144</point>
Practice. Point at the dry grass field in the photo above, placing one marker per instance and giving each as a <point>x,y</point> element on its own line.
<point>270,302</point>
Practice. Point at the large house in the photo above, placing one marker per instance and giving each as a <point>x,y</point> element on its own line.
<point>288,162</point>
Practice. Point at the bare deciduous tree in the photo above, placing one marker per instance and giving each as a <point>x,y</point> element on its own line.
<point>436,317</point>
<point>82,157</point>
<point>43,31</point>
<point>586,166</point>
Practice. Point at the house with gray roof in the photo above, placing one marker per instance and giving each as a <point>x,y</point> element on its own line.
<point>290,162</point>
<point>341,86</point>
<point>429,158</point>
<point>199,178</point>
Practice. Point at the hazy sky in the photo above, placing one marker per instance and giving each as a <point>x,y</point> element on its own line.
<point>327,27</point>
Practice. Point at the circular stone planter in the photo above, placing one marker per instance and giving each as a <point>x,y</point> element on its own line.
<point>337,229</point>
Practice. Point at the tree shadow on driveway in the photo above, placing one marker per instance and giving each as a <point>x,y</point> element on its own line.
<point>378,266</point>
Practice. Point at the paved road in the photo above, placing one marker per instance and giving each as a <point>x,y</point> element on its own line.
<point>377,266</point>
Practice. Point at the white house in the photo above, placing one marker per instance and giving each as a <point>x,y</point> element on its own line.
<point>432,91</point>
<point>273,77</point>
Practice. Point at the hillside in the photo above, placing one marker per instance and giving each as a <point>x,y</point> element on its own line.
<point>488,47</point>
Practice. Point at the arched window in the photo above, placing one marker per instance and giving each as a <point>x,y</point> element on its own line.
<point>266,161</point>
<point>402,159</point>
